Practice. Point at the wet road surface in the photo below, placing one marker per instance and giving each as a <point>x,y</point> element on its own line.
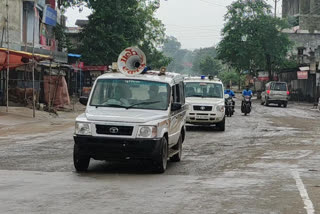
<point>267,162</point>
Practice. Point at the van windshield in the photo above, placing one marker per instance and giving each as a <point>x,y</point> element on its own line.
<point>279,86</point>
<point>203,89</point>
<point>128,93</point>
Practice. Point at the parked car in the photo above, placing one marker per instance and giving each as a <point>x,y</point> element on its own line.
<point>205,96</point>
<point>275,92</point>
<point>132,117</point>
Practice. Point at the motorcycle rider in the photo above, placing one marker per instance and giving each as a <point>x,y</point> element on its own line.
<point>231,94</point>
<point>246,92</point>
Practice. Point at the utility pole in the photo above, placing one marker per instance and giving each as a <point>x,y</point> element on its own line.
<point>275,7</point>
<point>33,60</point>
<point>8,58</point>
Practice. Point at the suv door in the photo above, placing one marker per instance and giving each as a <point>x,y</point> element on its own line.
<point>177,117</point>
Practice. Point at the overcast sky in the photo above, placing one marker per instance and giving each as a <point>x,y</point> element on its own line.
<point>196,23</point>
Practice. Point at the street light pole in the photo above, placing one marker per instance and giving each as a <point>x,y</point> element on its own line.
<point>33,60</point>
<point>275,7</point>
<point>8,59</point>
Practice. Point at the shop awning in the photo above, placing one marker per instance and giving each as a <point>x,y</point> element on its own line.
<point>18,58</point>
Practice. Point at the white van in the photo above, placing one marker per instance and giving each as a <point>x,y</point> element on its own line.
<point>205,96</point>
<point>132,117</point>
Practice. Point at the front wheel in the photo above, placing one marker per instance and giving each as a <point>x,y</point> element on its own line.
<point>80,161</point>
<point>162,157</point>
<point>178,146</point>
<point>222,125</point>
<point>267,102</point>
<point>285,104</point>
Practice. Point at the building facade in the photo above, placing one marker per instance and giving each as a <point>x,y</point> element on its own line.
<point>27,23</point>
<point>304,15</point>
<point>31,28</point>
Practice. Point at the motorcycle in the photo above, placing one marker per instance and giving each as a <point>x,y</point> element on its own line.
<point>229,105</point>
<point>246,105</point>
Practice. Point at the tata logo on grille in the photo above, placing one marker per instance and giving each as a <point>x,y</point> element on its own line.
<point>113,130</point>
<point>203,108</point>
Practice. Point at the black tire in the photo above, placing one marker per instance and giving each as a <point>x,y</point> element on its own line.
<point>262,103</point>
<point>162,157</point>
<point>222,125</point>
<point>285,104</point>
<point>279,105</point>
<point>81,162</point>
<point>177,157</point>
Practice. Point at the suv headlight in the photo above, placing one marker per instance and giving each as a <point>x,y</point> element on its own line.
<point>83,129</point>
<point>220,108</point>
<point>147,132</point>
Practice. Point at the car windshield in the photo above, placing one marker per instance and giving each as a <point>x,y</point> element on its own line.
<point>277,86</point>
<point>126,93</point>
<point>203,89</point>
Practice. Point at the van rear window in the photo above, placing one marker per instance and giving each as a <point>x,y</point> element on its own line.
<point>277,86</point>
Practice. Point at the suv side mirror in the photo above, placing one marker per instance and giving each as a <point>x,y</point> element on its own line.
<point>176,106</point>
<point>83,100</point>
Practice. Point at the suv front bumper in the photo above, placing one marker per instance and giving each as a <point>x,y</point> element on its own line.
<point>106,148</point>
<point>205,118</point>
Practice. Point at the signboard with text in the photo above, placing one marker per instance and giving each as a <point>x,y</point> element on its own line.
<point>302,75</point>
<point>49,16</point>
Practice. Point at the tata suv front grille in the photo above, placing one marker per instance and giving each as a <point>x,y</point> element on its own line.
<point>202,108</point>
<point>114,130</point>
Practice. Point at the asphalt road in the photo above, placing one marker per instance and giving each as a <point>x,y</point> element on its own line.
<point>267,162</point>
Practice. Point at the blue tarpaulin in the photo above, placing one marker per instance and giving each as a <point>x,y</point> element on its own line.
<point>74,55</point>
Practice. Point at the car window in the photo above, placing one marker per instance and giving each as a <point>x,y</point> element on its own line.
<point>131,93</point>
<point>277,86</point>
<point>176,93</point>
<point>203,89</point>
<point>182,93</point>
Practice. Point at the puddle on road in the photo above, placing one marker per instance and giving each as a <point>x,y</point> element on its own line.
<point>286,155</point>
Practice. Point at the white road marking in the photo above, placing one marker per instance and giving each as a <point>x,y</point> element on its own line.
<point>303,192</point>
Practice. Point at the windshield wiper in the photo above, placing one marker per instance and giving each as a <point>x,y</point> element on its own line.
<point>214,96</point>
<point>196,95</point>
<point>111,105</point>
<point>142,103</point>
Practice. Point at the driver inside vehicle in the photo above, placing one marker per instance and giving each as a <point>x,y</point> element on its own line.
<point>214,92</point>
<point>153,92</point>
<point>122,95</point>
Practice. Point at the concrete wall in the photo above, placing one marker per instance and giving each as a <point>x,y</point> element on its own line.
<point>15,22</point>
<point>310,42</point>
<point>308,12</point>
<point>290,7</point>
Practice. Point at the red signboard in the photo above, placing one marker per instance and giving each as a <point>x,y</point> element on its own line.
<point>77,66</point>
<point>302,75</point>
<point>95,68</point>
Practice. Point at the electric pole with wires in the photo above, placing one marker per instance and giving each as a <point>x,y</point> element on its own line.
<point>275,7</point>
<point>8,58</point>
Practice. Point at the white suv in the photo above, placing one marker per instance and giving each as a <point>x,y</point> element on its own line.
<point>132,117</point>
<point>205,96</point>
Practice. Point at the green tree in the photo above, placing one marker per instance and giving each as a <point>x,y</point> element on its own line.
<point>59,32</point>
<point>180,57</point>
<point>171,46</point>
<point>210,66</point>
<point>252,37</point>
<point>200,55</point>
<point>68,3</point>
<point>115,25</point>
